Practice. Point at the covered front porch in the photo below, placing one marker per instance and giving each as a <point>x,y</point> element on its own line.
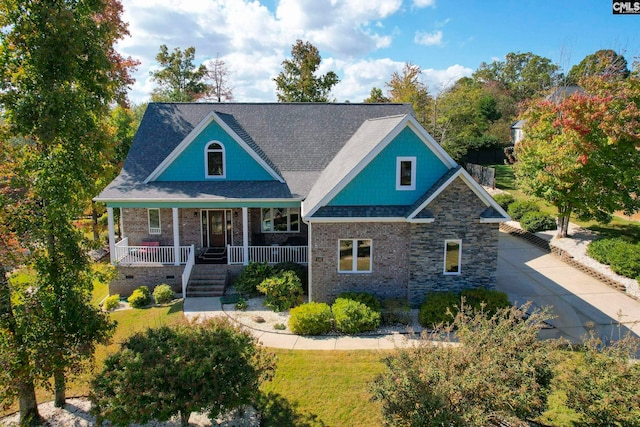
<point>158,235</point>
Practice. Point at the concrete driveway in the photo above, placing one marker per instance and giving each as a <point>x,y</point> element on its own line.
<point>579,301</point>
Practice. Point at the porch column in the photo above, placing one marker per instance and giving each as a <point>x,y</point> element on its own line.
<point>245,235</point>
<point>112,237</point>
<point>176,237</point>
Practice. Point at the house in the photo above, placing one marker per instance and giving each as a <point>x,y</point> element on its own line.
<point>557,95</point>
<point>360,193</point>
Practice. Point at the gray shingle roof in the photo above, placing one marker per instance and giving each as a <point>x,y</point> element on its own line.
<point>298,140</point>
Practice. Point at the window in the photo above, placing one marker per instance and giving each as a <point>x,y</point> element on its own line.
<point>452,256</point>
<point>354,256</point>
<point>215,162</point>
<point>154,221</point>
<point>406,173</point>
<point>280,220</point>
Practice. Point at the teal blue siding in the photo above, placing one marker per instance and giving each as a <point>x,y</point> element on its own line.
<point>376,184</point>
<point>190,164</point>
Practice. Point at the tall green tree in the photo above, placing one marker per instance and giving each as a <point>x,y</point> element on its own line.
<point>179,79</point>
<point>297,82</point>
<point>59,72</point>
<point>582,153</point>
<point>376,97</point>
<point>406,86</point>
<point>210,366</point>
<point>525,75</point>
<point>605,62</point>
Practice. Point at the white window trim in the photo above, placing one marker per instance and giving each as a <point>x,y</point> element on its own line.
<point>288,230</point>
<point>399,161</point>
<point>224,160</point>
<point>158,229</point>
<point>354,255</point>
<point>444,261</point>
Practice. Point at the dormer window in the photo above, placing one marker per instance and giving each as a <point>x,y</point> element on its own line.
<point>214,160</point>
<point>406,173</point>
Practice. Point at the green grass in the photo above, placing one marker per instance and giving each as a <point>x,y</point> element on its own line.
<point>323,388</point>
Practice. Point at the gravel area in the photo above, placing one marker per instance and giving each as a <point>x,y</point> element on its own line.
<point>76,413</point>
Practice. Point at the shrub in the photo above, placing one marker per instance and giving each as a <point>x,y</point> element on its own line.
<point>433,310</point>
<point>111,302</point>
<point>396,311</point>
<point>365,298</point>
<point>352,317</point>
<point>488,300</point>
<point>251,276</point>
<point>519,208</point>
<point>537,221</point>
<point>241,304</point>
<point>299,269</point>
<point>163,294</point>
<point>313,318</point>
<point>141,297</point>
<point>601,249</point>
<point>282,291</point>
<point>504,200</point>
<point>625,259</point>
<point>279,327</point>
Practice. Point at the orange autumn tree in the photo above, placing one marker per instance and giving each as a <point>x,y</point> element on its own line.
<point>582,153</point>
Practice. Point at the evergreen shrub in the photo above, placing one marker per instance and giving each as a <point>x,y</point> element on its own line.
<point>251,276</point>
<point>518,208</point>
<point>140,297</point>
<point>163,294</point>
<point>537,221</point>
<point>352,317</point>
<point>282,290</point>
<point>111,302</point>
<point>313,318</point>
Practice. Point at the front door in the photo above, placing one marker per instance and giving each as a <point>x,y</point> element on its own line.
<point>216,228</point>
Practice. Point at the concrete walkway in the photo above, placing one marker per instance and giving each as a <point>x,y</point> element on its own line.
<point>525,273</point>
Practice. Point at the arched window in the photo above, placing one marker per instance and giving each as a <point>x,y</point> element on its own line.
<point>214,160</point>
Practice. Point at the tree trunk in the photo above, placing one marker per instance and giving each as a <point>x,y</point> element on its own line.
<point>94,218</point>
<point>59,388</point>
<point>184,417</point>
<point>29,415</point>
<point>564,213</point>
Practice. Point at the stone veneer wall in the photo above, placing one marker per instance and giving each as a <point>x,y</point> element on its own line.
<point>390,263</point>
<point>457,212</point>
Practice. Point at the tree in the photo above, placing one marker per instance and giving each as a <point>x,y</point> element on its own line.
<point>473,371</point>
<point>179,79</point>
<point>407,87</point>
<point>581,154</point>
<point>218,74</point>
<point>209,366</point>
<point>605,62</point>
<point>603,385</point>
<point>376,97</point>
<point>298,82</point>
<point>525,75</point>
<point>59,73</point>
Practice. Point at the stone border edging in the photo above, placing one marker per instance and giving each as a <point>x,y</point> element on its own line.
<point>563,255</point>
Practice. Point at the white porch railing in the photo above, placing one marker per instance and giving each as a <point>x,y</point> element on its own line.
<point>269,254</point>
<point>191,260</point>
<point>138,255</point>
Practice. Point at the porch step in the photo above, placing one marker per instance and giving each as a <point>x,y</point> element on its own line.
<point>206,282</point>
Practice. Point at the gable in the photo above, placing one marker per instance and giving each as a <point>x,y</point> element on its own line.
<point>241,163</point>
<point>376,183</point>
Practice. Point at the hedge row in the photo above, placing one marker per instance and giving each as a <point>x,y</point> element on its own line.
<point>526,212</point>
<point>621,255</point>
<point>442,307</point>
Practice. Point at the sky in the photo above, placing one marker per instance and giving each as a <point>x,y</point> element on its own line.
<point>365,41</point>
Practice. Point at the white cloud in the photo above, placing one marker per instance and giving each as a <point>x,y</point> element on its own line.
<point>428,39</point>
<point>437,80</point>
<point>424,3</point>
<point>358,78</point>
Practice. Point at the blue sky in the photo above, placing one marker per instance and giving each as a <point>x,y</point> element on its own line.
<point>365,41</point>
